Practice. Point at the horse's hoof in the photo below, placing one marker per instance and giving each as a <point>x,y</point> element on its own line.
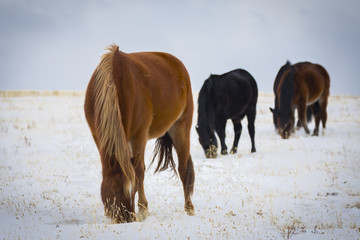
<point>189,208</point>
<point>233,151</point>
<point>210,154</point>
<point>316,134</point>
<point>224,152</point>
<point>141,216</point>
<point>190,212</point>
<point>285,135</point>
<point>143,213</point>
<point>253,150</point>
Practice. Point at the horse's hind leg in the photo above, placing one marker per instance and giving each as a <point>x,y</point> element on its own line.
<point>320,114</point>
<point>237,132</point>
<point>180,134</point>
<point>323,106</point>
<point>251,114</point>
<point>317,113</point>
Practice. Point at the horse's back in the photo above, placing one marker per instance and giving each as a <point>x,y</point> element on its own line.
<point>235,81</point>
<point>239,83</point>
<point>163,85</point>
<point>235,91</point>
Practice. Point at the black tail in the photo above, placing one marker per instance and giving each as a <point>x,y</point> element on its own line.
<point>163,147</point>
<point>316,108</point>
<point>313,110</point>
<point>308,114</point>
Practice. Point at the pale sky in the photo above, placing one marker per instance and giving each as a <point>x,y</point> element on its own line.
<point>56,45</point>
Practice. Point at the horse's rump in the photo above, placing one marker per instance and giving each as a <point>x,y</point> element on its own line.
<point>311,80</point>
<point>156,99</point>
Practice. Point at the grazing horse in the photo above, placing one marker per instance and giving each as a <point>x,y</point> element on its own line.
<point>303,86</point>
<point>232,95</point>
<point>131,98</point>
<point>276,83</point>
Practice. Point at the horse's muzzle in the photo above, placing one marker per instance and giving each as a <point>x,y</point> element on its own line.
<point>285,131</point>
<point>285,134</point>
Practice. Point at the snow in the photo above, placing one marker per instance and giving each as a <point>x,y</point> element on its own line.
<point>301,188</point>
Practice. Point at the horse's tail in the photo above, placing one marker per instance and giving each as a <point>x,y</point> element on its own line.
<point>112,139</point>
<point>163,147</point>
<point>308,115</point>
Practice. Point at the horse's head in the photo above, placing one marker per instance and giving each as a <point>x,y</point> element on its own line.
<point>119,198</point>
<point>283,114</point>
<point>278,77</point>
<point>207,140</point>
<point>206,119</point>
<point>285,123</point>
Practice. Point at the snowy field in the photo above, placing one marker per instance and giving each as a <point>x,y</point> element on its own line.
<point>301,188</point>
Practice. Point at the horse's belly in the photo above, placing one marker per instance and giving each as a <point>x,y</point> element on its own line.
<point>158,130</point>
<point>162,122</point>
<point>313,99</point>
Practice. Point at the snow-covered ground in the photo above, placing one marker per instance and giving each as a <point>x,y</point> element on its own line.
<point>301,188</point>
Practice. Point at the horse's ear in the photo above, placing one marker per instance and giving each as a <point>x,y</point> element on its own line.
<point>271,109</point>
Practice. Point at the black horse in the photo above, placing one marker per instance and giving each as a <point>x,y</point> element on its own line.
<point>229,96</point>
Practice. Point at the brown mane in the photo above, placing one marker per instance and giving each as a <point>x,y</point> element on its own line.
<point>112,140</point>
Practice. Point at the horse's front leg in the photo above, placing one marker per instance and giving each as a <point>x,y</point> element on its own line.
<point>138,148</point>
<point>303,116</point>
<point>220,130</point>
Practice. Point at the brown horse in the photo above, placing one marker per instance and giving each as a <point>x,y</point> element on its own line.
<point>130,99</point>
<point>300,86</point>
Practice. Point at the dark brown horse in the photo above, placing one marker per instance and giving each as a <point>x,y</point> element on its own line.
<point>279,75</point>
<point>130,99</point>
<point>300,86</point>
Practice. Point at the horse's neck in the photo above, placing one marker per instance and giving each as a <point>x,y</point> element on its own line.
<point>208,115</point>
